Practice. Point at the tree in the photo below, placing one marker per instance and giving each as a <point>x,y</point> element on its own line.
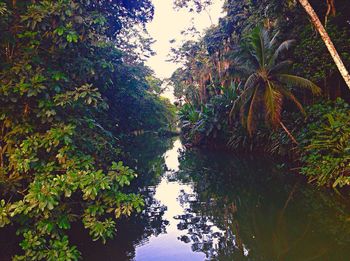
<point>267,81</point>
<point>192,5</point>
<point>326,39</point>
<point>60,78</point>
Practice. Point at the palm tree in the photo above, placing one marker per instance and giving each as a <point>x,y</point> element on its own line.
<point>268,82</point>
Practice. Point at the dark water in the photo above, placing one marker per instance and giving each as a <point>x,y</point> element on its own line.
<point>209,205</point>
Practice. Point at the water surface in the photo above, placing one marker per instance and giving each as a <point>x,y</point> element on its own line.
<point>212,205</point>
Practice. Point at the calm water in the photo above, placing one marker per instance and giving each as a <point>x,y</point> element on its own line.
<point>209,205</point>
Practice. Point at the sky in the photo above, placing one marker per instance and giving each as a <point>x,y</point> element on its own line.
<point>166,25</point>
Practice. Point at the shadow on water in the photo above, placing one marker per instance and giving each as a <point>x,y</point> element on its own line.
<point>261,214</point>
<point>211,205</point>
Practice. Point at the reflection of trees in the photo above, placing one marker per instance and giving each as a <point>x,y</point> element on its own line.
<point>148,151</point>
<point>131,232</point>
<point>151,218</point>
<point>207,236</point>
<point>146,155</point>
<point>243,209</point>
<point>143,225</point>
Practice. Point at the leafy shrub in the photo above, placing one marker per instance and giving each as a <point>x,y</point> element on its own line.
<point>241,140</point>
<point>188,116</point>
<point>210,122</point>
<point>326,144</point>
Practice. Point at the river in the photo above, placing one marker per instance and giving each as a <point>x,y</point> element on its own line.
<point>215,205</point>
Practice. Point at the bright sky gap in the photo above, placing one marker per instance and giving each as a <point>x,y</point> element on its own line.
<point>167,24</point>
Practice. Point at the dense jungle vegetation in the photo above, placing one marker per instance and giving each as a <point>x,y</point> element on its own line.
<point>262,80</point>
<point>74,86</point>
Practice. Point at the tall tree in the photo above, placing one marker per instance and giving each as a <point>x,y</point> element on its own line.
<point>327,40</point>
<point>268,80</point>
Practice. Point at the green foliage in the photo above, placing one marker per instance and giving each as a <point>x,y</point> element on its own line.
<point>155,85</point>
<point>135,105</point>
<point>211,120</point>
<point>240,140</point>
<point>240,49</point>
<point>188,115</point>
<point>57,248</point>
<point>326,144</point>
<point>313,59</point>
<point>266,84</point>
<point>267,79</point>
<point>63,81</point>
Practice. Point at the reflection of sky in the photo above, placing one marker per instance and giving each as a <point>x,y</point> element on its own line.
<point>177,197</point>
<point>168,246</point>
<point>171,156</point>
<point>166,25</point>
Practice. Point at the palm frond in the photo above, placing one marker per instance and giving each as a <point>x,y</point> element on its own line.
<point>254,59</point>
<point>280,67</point>
<point>265,39</point>
<point>252,106</point>
<point>263,35</point>
<point>241,70</point>
<point>293,80</point>
<point>257,45</point>
<point>273,40</point>
<point>252,80</point>
<point>241,100</point>
<point>273,104</point>
<point>247,53</point>
<point>284,46</point>
<point>288,94</point>
<point>242,117</point>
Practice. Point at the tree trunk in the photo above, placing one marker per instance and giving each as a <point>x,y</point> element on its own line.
<point>288,133</point>
<point>327,40</point>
